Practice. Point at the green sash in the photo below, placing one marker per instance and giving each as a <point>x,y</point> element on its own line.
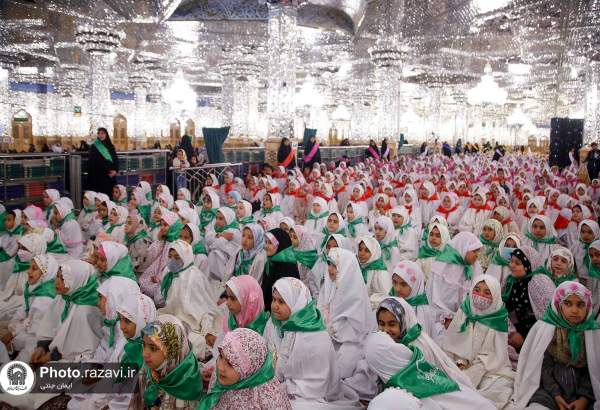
<point>421,378</point>
<point>68,217</point>
<point>130,240</point>
<point>266,211</point>
<point>287,256</point>
<point>110,324</point>
<point>122,268</point>
<point>499,260</point>
<point>56,246</point>
<point>206,217</point>
<point>427,251</point>
<point>144,211</point>
<point>352,226</point>
<point>112,228</point>
<point>258,324</point>
<point>510,281</point>
<point>419,300</point>
<point>232,225</point>
<point>377,264</point>
<point>497,320</point>
<point>244,267</point>
<point>19,230</point>
<point>19,266</point>
<point>537,241</point>
<point>2,219</point>
<point>593,271</point>
<point>85,295</point>
<point>311,217</point>
<point>558,280</point>
<point>307,258</point>
<point>411,335</point>
<point>47,289</point>
<point>89,209</point>
<point>200,248</point>
<point>386,249</point>
<point>167,281</point>
<point>183,382</point>
<point>3,255</point>
<point>402,228</point>
<point>262,376</point>
<point>133,354</point>
<point>307,319</point>
<point>174,231</point>
<point>245,221</point>
<point>451,256</point>
<point>102,150</point>
<point>574,332</point>
<point>490,246</point>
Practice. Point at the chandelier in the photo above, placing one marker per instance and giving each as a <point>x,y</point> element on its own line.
<point>179,95</point>
<point>487,91</point>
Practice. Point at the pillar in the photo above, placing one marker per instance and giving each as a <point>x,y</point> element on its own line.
<point>591,127</point>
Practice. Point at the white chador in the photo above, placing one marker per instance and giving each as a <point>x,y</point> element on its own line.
<point>502,271</point>
<point>387,358</point>
<point>346,309</point>
<point>306,360</point>
<point>256,254</point>
<point>190,297</point>
<point>378,281</point>
<point>483,351</point>
<point>219,248</point>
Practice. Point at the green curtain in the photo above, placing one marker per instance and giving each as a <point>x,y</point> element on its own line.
<point>213,140</point>
<point>308,132</point>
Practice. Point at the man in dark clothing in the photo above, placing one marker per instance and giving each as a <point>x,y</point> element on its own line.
<point>446,149</point>
<point>593,161</point>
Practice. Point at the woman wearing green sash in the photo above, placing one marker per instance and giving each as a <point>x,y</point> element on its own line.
<point>72,329</point>
<point>103,164</point>
<point>67,228</point>
<point>560,267</point>
<point>375,273</point>
<point>499,265</point>
<point>477,340</point>
<point>251,258</point>
<point>398,366</point>
<point>245,376</point>
<point>11,296</point>
<point>170,378</point>
<point>306,359</point>
<point>38,296</point>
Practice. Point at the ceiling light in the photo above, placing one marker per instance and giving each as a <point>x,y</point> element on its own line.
<point>487,90</point>
<point>485,6</point>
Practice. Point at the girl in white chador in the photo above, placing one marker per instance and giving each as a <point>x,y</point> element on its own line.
<point>477,339</point>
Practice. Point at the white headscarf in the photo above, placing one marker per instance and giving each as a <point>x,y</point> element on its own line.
<point>117,289</point>
<point>138,309</point>
<point>34,243</point>
<point>373,246</point>
<point>390,397</point>
<point>48,266</point>
<point>412,274</point>
<point>114,252</point>
<point>295,293</point>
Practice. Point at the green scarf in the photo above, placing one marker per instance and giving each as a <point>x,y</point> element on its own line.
<point>266,211</point>
<point>167,281</point>
<point>419,300</point>
<point>451,256</point>
<point>3,255</point>
<point>68,217</point>
<point>558,280</point>
<point>102,150</point>
<point>262,376</point>
<point>85,295</point>
<point>48,212</point>
<point>377,264</point>
<point>183,382</point>
<point>199,248</point>
<point>499,260</point>
<point>89,209</point>
<point>19,266</point>
<point>124,202</point>
<point>327,235</point>
<point>490,246</point>
<point>536,241</point>
<point>232,225</point>
<point>133,354</point>
<point>19,230</point>
<point>352,226</point>
<point>411,335</point>
<point>574,332</point>
<point>110,324</point>
<point>245,221</point>
<point>307,319</point>
<point>112,227</point>
<point>56,246</point>
<point>427,251</point>
<point>122,268</point>
<point>258,324</point>
<point>144,211</point>
<point>244,267</point>
<point>421,378</point>
<point>307,258</point>
<point>311,217</point>
<point>593,271</point>
<point>402,228</point>
<point>497,320</point>
<point>149,195</point>
<point>206,217</point>
<point>510,281</point>
<point>425,235</point>
<point>47,289</point>
<point>386,249</point>
<point>2,219</point>
<point>130,240</point>
<point>174,231</point>
<point>286,256</point>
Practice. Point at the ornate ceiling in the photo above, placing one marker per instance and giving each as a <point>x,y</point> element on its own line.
<point>446,43</point>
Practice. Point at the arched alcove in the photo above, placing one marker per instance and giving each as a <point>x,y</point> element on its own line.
<point>22,130</point>
<point>119,136</point>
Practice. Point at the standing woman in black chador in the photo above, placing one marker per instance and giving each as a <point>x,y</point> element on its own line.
<point>286,155</point>
<point>103,164</point>
<point>312,152</point>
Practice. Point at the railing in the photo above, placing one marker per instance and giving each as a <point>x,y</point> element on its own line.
<point>193,178</point>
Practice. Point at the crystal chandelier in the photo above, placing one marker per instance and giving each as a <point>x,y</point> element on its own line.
<point>487,91</point>
<point>179,95</point>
